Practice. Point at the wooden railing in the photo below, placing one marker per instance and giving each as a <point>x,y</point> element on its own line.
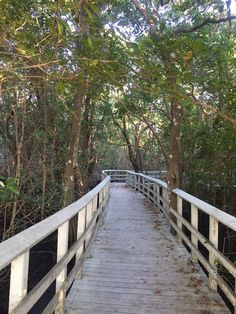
<point>88,212</point>
<point>16,251</point>
<point>156,191</point>
<point>120,175</point>
<point>115,175</point>
<point>160,174</point>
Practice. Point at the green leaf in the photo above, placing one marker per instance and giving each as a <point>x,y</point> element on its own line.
<point>60,87</point>
<point>93,7</point>
<point>90,15</point>
<point>94,62</point>
<point>60,28</point>
<point>90,43</point>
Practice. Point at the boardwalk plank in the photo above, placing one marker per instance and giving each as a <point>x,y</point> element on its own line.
<point>136,266</point>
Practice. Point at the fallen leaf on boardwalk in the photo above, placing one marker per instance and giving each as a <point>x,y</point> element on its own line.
<point>195,282</point>
<point>157,291</point>
<point>217,303</point>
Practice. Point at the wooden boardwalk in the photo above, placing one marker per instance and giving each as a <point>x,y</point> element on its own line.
<point>136,266</point>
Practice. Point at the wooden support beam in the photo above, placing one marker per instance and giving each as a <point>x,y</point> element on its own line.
<point>180,212</point>
<point>18,280</point>
<point>62,248</point>
<point>213,238</point>
<point>194,222</point>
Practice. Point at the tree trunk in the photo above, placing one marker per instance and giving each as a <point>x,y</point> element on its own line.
<point>71,164</point>
<point>19,125</point>
<point>175,166</point>
<point>82,178</point>
<point>72,171</point>
<point>132,157</point>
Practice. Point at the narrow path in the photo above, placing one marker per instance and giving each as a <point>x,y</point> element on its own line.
<point>137,266</point>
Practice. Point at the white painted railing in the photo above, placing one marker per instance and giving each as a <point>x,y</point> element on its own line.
<point>120,175</point>
<point>115,175</point>
<point>88,211</point>
<point>15,251</point>
<point>156,191</point>
<point>160,174</point>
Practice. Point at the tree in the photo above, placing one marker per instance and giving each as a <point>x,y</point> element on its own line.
<point>173,31</point>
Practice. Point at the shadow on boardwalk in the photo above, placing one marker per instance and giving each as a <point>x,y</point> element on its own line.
<point>137,266</point>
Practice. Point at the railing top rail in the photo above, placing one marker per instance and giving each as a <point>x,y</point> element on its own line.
<point>26,239</point>
<point>218,214</point>
<point>125,170</point>
<point>155,171</point>
<point>114,170</point>
<point>161,183</point>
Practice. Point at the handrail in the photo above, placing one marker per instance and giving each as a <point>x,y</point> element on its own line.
<point>120,175</point>
<point>156,191</point>
<point>221,216</point>
<point>115,175</point>
<point>88,211</point>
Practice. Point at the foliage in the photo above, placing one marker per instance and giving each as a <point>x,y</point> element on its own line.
<point>8,189</point>
<point>126,56</point>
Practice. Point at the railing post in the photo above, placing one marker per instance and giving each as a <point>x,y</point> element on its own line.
<point>62,247</point>
<point>194,223</point>
<point>135,183</point>
<point>139,184</point>
<point>166,203</point>
<point>127,179</point>
<point>89,215</point>
<point>18,280</point>
<point>104,193</point>
<point>95,203</point>
<point>148,189</point>
<point>89,212</point>
<point>107,188</point>
<point>234,305</point>
<point>180,212</point>
<point>213,238</point>
<point>101,197</point>
<point>81,225</point>
<point>157,194</point>
<point>142,184</point>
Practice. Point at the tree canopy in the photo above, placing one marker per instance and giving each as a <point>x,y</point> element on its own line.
<point>86,85</point>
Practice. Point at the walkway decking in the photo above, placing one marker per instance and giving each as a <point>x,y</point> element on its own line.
<point>137,266</point>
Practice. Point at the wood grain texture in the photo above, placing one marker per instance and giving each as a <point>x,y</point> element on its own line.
<point>137,266</point>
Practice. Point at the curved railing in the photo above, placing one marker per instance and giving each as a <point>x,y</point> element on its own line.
<point>120,175</point>
<point>16,251</point>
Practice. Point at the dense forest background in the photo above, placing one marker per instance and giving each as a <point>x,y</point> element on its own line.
<point>90,85</point>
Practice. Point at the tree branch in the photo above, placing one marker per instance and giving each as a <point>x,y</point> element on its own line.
<point>153,28</point>
<point>203,23</point>
<point>140,7</point>
<point>213,109</point>
<point>142,10</point>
